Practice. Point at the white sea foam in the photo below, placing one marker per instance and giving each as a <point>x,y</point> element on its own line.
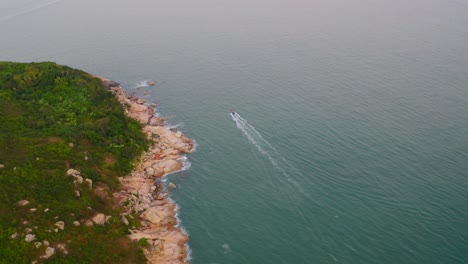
<point>185,163</point>
<point>188,258</point>
<point>179,225</point>
<point>143,83</point>
<point>227,248</point>
<point>172,126</point>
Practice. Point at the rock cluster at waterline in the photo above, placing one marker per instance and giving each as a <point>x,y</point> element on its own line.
<point>142,195</point>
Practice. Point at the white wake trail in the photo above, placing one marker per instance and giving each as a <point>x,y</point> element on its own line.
<point>254,131</point>
<point>29,9</point>
<point>264,147</point>
<point>244,127</point>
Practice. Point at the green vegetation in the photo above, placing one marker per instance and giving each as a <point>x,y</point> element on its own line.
<point>53,118</point>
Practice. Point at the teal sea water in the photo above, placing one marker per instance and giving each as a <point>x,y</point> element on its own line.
<point>351,139</point>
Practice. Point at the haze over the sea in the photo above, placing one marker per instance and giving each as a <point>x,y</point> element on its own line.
<point>351,143</point>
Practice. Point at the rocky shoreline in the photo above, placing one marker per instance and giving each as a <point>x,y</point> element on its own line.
<point>143,194</point>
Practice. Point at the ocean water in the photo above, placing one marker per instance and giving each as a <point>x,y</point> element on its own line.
<point>351,139</point>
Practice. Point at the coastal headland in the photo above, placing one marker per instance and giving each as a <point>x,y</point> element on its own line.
<point>143,193</point>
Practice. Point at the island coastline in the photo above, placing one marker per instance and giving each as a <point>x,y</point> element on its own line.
<point>143,192</point>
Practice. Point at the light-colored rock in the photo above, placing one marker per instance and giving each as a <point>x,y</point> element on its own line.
<point>30,237</point>
<point>124,220</point>
<point>73,172</point>
<point>153,104</point>
<point>99,219</point>
<point>76,223</point>
<point>159,224</point>
<point>169,152</point>
<point>28,230</point>
<point>71,145</point>
<point>151,82</point>
<point>33,209</point>
<point>37,244</point>
<point>158,171</point>
<point>78,179</point>
<point>172,185</point>
<point>62,248</point>
<point>89,182</point>
<point>108,217</point>
<point>155,121</point>
<point>48,253</point>
<point>88,223</point>
<point>172,166</point>
<point>14,235</point>
<point>150,172</point>
<point>46,210</point>
<point>2,166</point>
<point>60,225</point>
<point>23,202</point>
<point>77,194</point>
<point>46,243</point>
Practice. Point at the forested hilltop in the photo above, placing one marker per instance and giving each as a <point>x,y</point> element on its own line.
<point>54,120</point>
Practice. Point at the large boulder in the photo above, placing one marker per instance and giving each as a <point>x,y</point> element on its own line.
<point>168,166</point>
<point>152,215</point>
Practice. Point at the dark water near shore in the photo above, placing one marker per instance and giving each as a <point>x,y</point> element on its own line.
<point>355,148</point>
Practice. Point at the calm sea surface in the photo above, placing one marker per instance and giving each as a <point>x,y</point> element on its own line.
<point>351,143</point>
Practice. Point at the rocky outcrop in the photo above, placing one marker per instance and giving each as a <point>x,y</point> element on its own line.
<point>109,83</point>
<point>144,196</point>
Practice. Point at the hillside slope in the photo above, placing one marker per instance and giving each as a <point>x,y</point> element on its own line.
<point>52,119</point>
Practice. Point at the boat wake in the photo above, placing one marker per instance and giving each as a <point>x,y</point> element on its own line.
<point>29,9</point>
<point>265,148</point>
